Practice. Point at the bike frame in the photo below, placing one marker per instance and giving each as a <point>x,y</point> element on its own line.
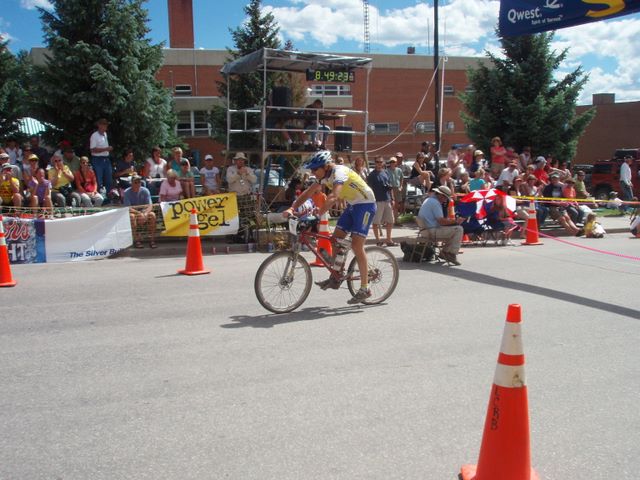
<point>310,240</point>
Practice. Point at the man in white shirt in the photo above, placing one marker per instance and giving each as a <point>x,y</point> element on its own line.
<point>626,187</point>
<point>100,151</point>
<point>507,176</point>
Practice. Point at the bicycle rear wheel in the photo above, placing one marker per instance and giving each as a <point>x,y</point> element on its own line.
<point>383,274</point>
<point>283,282</point>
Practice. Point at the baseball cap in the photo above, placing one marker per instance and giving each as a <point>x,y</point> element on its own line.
<point>399,154</point>
<point>208,157</point>
<point>6,166</point>
<point>4,155</point>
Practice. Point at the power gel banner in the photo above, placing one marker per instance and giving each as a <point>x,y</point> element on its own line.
<point>67,239</point>
<point>523,17</point>
<point>217,215</point>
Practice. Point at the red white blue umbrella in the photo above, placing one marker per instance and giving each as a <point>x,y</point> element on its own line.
<point>481,197</point>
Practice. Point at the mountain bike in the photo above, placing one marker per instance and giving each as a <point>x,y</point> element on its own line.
<point>283,281</point>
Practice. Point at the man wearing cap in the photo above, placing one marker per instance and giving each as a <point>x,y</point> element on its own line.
<point>100,155</point>
<point>240,177</point>
<point>9,186</point>
<point>138,199</point>
<point>6,160</point>
<point>435,227</point>
<point>626,187</point>
<point>540,173</point>
<point>210,175</point>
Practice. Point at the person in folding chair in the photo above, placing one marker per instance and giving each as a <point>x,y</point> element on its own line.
<point>438,228</point>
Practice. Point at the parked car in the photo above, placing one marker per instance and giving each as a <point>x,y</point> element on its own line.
<point>605,177</point>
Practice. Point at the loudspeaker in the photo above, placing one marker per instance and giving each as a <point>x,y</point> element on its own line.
<point>281,97</point>
<point>343,140</point>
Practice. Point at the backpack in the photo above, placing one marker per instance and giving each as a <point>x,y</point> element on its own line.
<point>416,255</point>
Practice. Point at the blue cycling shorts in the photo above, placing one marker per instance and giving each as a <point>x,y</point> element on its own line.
<point>356,219</point>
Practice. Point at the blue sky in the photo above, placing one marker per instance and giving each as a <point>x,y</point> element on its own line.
<point>609,51</point>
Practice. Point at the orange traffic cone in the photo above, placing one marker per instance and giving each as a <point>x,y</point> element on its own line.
<point>323,242</point>
<point>504,452</point>
<point>194,265</point>
<point>6,280</point>
<point>466,240</point>
<point>451,209</point>
<point>532,229</point>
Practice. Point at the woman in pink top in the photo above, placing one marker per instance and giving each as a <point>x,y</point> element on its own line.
<point>498,154</point>
<point>170,190</point>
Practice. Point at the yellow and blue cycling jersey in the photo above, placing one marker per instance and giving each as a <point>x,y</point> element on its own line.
<point>354,189</point>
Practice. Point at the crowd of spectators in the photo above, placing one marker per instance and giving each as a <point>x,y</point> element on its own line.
<point>36,178</point>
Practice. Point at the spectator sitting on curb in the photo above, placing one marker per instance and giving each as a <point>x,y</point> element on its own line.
<point>170,190</point>
<point>10,187</point>
<point>138,199</point>
<point>40,190</point>
<point>87,185</point>
<point>155,170</point>
<point>187,180</point>
<point>125,168</point>
<point>210,175</point>
<point>62,180</point>
<point>557,209</point>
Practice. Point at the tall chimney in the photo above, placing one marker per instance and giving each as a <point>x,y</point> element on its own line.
<point>181,24</point>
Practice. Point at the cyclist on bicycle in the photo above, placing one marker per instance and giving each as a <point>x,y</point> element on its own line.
<point>356,219</point>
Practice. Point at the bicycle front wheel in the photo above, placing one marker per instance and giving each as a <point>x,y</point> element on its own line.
<point>383,274</point>
<point>283,282</point>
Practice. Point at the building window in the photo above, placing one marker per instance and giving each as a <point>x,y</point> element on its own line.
<point>449,91</point>
<point>182,90</point>
<point>450,127</point>
<point>425,127</point>
<point>201,124</point>
<point>383,128</point>
<point>331,90</point>
<point>469,89</point>
<point>193,124</point>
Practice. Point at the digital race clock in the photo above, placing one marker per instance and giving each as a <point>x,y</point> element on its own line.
<point>331,75</point>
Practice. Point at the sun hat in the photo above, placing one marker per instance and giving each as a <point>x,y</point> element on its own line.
<point>442,190</point>
<point>240,156</point>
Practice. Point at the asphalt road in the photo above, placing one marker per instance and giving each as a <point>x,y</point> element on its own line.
<point>120,369</point>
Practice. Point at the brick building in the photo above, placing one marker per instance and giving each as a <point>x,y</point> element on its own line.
<point>397,86</point>
<point>614,126</point>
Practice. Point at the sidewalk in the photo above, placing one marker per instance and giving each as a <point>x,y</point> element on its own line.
<point>175,246</point>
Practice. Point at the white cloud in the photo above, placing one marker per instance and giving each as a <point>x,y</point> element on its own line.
<point>609,51</point>
<point>33,4</point>
<point>613,42</point>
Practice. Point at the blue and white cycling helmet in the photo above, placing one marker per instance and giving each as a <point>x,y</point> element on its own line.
<point>318,159</point>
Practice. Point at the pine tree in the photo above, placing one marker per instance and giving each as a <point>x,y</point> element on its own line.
<point>518,99</point>
<point>100,64</point>
<point>12,90</point>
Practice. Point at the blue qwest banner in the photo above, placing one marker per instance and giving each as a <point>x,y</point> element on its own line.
<point>522,17</point>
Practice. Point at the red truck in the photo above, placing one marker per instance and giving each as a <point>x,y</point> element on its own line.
<point>605,176</point>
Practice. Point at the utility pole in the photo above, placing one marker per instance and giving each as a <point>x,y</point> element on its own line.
<point>436,62</point>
